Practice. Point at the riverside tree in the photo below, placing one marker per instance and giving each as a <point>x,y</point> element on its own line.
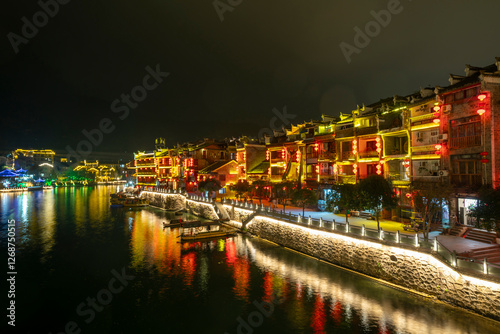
<point>429,198</point>
<point>210,185</point>
<point>282,192</point>
<point>304,197</point>
<point>487,210</point>
<point>260,189</point>
<point>343,196</point>
<point>376,194</point>
<point>241,188</point>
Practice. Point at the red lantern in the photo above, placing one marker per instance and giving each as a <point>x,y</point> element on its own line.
<point>485,161</point>
<point>481,96</point>
<point>436,120</point>
<point>484,154</point>
<point>481,112</point>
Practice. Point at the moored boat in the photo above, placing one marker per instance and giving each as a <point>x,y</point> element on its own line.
<point>135,202</point>
<point>197,230</point>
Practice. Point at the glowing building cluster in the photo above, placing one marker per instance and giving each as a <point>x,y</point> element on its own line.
<point>438,134</point>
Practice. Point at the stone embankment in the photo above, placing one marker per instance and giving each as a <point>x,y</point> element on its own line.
<point>409,268</point>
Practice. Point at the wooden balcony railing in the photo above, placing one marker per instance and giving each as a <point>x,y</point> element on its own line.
<point>466,179</point>
<point>368,154</point>
<point>461,142</point>
<point>327,155</point>
<point>347,155</point>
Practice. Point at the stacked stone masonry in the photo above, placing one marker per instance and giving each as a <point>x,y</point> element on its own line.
<point>411,269</point>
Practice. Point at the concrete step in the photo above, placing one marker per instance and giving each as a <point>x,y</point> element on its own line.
<point>487,248</point>
<point>481,234</point>
<point>484,252</point>
<point>482,256</point>
<point>493,259</point>
<point>479,240</point>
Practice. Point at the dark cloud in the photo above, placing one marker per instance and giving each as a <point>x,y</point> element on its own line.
<point>226,77</point>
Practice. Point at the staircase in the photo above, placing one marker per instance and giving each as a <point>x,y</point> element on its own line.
<point>288,168</point>
<point>481,236</point>
<point>456,231</point>
<point>491,253</point>
<point>223,213</point>
<point>249,219</point>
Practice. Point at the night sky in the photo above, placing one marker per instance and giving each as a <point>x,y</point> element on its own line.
<point>225,77</point>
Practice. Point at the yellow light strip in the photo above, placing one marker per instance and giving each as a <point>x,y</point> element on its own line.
<point>424,126</point>
<point>369,159</point>
<point>426,156</point>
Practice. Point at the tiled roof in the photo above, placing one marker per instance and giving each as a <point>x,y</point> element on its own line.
<point>211,168</point>
<point>260,168</point>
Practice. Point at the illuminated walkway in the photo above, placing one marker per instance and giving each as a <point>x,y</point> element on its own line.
<point>386,225</point>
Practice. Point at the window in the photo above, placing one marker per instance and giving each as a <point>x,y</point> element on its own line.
<point>459,95</point>
<point>466,172</point>
<point>448,98</point>
<point>324,168</point>
<point>472,92</point>
<point>465,132</point>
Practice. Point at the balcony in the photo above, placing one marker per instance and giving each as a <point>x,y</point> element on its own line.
<point>463,142</point>
<point>347,155</point>
<point>368,154</point>
<point>146,174</point>
<point>327,156</point>
<point>471,180</point>
<point>311,176</point>
<point>426,178</point>
<point>366,130</point>
<point>145,164</point>
<point>327,179</point>
<point>344,133</point>
<point>347,179</point>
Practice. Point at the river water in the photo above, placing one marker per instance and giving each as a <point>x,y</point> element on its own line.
<point>83,267</point>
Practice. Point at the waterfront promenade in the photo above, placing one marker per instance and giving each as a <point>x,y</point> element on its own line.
<point>385,224</point>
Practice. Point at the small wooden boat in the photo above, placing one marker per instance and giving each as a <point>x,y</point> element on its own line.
<point>135,202</point>
<point>196,230</point>
<point>173,223</point>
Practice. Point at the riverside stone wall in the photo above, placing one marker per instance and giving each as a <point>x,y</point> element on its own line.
<point>201,209</point>
<point>239,215</point>
<point>165,201</point>
<point>408,268</point>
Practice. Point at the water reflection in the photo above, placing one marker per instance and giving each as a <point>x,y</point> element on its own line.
<point>217,279</point>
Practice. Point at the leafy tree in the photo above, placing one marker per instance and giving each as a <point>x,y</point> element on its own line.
<point>487,209</point>
<point>376,194</point>
<point>429,198</point>
<point>343,196</point>
<point>260,189</point>
<point>241,188</point>
<point>211,185</point>
<point>282,191</point>
<point>304,197</point>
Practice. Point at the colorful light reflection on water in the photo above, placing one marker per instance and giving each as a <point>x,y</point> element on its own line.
<point>69,240</point>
